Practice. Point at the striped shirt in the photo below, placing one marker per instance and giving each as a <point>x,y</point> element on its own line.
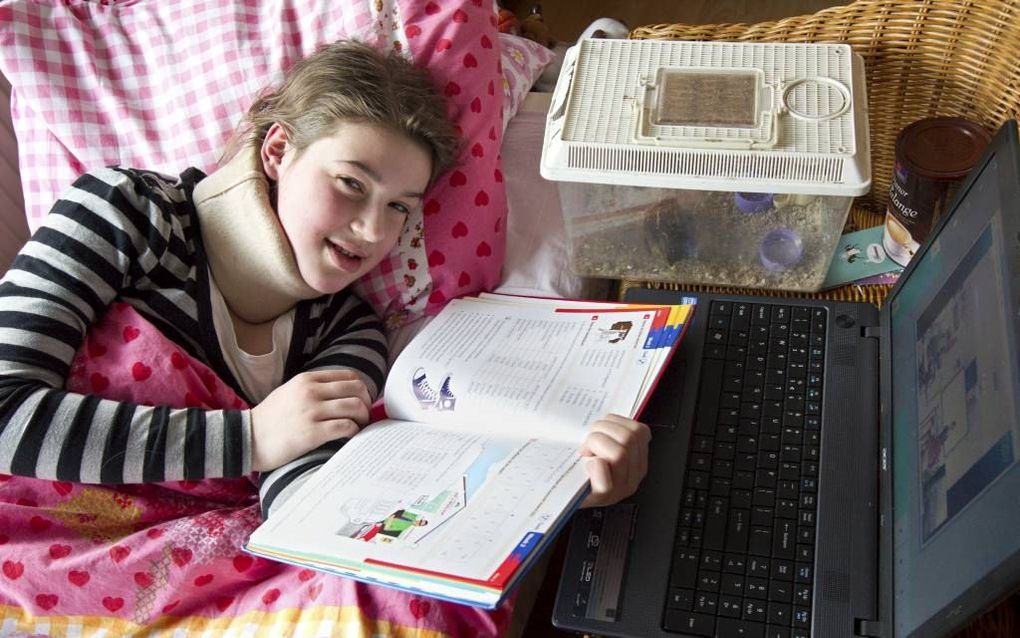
<point>133,236</point>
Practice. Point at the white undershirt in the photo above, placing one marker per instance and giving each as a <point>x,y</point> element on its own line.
<point>259,374</point>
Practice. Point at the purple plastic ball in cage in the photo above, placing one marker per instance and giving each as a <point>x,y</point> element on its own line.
<point>753,203</point>
<point>780,249</point>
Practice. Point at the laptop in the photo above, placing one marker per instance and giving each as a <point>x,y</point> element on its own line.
<point>824,468</point>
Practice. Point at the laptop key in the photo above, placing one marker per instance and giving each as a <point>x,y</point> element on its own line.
<point>729,606</point>
<point>762,515</point>
<point>684,573</point>
<point>689,622</point>
<point>784,539</point>
<point>782,570</point>
<point>760,542</point>
<point>731,585</point>
<point>740,499</point>
<point>758,566</point>
<point>755,610</point>
<point>715,523</point>
<point>775,631</point>
<point>682,599</point>
<point>757,588</point>
<point>789,471</point>
<point>714,352</point>
<point>741,317</point>
<point>801,617</point>
<point>779,613</point>
<point>708,581</point>
<point>781,592</point>
<point>737,531</point>
<point>805,552</point>
<point>721,308</point>
<point>734,564</point>
<point>706,602</point>
<point>711,559</point>
<point>733,628</point>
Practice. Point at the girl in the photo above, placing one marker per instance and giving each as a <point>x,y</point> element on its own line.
<point>247,271</point>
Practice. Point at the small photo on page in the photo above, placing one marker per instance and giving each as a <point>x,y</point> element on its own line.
<point>616,332</point>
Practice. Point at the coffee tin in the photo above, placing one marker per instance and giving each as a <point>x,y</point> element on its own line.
<point>933,156</point>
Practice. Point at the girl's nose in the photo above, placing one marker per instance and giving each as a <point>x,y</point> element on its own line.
<point>370,224</point>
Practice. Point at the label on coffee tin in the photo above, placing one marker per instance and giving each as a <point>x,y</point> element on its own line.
<point>915,205</point>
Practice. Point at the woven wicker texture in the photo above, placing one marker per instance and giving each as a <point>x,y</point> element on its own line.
<point>922,58</point>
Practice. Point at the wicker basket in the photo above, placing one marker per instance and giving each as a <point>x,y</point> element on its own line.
<point>922,58</point>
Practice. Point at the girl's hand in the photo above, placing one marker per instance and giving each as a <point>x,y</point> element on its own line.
<point>311,409</point>
<point>616,451</point>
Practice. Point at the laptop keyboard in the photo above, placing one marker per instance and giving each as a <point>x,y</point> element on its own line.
<point>743,561</point>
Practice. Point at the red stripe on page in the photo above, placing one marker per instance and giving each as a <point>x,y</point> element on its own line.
<point>428,572</point>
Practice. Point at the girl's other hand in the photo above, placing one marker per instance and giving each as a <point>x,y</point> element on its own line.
<point>310,409</point>
<point>616,451</point>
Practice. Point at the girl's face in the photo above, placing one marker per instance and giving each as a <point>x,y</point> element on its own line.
<point>342,201</point>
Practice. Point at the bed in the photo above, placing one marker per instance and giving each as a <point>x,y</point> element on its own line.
<point>164,559</point>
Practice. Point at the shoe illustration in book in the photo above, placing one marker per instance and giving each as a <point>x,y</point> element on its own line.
<point>427,396</point>
<point>446,398</point>
<point>424,392</point>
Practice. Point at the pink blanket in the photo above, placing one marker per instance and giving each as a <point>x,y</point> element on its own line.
<point>80,559</point>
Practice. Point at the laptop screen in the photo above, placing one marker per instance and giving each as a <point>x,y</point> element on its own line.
<point>955,419</point>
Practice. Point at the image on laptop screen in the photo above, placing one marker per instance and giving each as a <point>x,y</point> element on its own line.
<point>956,426</point>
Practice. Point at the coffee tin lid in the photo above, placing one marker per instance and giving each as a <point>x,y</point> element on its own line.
<point>941,147</point>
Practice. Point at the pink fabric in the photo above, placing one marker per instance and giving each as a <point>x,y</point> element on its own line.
<point>167,554</point>
<point>161,85</point>
<point>523,61</point>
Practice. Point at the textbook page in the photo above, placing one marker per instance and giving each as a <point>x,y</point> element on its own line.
<point>523,369</point>
<point>670,328</point>
<point>409,505</point>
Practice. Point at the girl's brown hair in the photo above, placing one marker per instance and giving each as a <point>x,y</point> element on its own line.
<point>351,82</point>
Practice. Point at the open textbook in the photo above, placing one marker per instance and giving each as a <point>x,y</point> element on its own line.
<point>477,467</point>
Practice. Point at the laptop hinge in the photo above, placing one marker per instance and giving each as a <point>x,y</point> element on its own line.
<point>872,628</point>
<point>873,332</point>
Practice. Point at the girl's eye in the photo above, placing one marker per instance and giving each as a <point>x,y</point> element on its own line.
<point>400,208</point>
<point>353,184</point>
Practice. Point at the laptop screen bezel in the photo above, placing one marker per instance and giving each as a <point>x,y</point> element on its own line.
<point>1005,579</point>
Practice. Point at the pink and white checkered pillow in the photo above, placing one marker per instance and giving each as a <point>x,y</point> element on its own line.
<point>161,85</point>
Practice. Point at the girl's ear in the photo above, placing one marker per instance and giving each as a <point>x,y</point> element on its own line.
<point>274,147</point>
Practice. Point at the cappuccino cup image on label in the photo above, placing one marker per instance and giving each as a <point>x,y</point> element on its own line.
<point>897,240</point>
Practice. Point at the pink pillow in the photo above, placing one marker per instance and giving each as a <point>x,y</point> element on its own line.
<point>523,62</point>
<point>161,85</point>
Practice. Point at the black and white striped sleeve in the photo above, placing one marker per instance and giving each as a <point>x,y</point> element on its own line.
<point>104,235</point>
<point>354,339</point>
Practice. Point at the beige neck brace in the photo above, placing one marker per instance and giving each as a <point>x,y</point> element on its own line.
<point>249,254</point>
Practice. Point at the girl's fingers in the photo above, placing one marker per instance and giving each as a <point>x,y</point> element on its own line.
<point>612,456</point>
<point>340,389</point>
<point>337,429</point>
<point>619,450</point>
<point>352,408</point>
<point>328,376</point>
<point>601,480</point>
